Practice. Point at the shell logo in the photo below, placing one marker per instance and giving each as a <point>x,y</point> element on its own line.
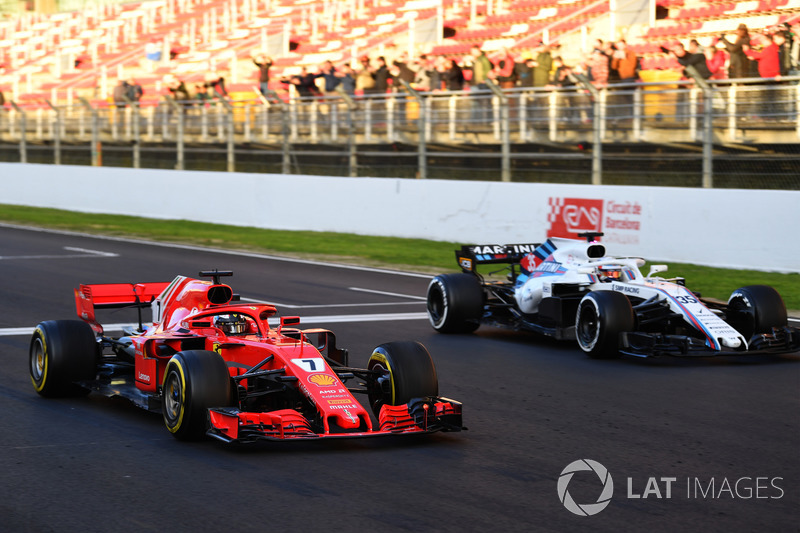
<point>323,380</point>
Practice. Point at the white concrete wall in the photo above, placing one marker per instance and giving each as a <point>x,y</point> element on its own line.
<point>728,228</point>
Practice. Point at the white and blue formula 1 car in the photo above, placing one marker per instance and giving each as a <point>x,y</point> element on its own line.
<point>570,289</point>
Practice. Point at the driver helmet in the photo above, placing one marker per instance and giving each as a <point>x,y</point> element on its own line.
<point>233,324</point>
<point>610,272</point>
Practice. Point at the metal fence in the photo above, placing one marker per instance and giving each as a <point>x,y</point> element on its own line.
<point>718,134</point>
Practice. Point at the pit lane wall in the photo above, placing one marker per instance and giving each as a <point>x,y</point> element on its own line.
<point>750,229</point>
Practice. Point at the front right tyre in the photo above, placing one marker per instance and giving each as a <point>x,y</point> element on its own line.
<point>756,309</point>
<point>194,381</point>
<point>404,371</point>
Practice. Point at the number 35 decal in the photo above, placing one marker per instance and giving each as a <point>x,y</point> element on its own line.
<point>686,299</point>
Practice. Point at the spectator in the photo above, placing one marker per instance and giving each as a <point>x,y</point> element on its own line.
<point>263,62</point>
<point>784,50</point>
<point>685,58</point>
<point>625,62</point>
<point>365,80</point>
<point>739,62</point>
<point>436,70</point>
<point>524,70</point>
<point>769,64</point>
<point>481,68</point>
<point>135,91</point>
<point>542,65</point>
<point>769,67</point>
<point>453,76</point>
<point>563,77</point>
<point>348,79</point>
<point>613,74</point>
<point>404,70</point>
<point>216,85</point>
<point>598,65</point>
<point>119,93</point>
<point>716,60</point>
<point>304,83</point>
<point>424,75</point>
<point>2,99</point>
<point>504,71</point>
<point>381,76</point>
<point>201,95</point>
<point>794,49</point>
<point>331,77</point>
<point>177,90</point>
<point>695,47</point>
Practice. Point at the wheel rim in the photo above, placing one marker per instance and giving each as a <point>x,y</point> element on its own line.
<point>588,327</point>
<point>38,361</point>
<point>436,308</point>
<point>378,397</point>
<point>173,398</point>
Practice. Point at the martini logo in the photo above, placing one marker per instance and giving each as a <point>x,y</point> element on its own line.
<point>323,380</point>
<point>570,216</point>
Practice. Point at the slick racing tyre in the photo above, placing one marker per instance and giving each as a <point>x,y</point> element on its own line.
<point>406,371</point>
<point>756,309</point>
<point>194,381</point>
<point>61,353</point>
<point>602,316</point>
<point>455,303</point>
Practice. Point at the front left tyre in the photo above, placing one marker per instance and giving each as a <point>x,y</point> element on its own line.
<point>405,371</point>
<point>62,353</point>
<point>602,316</point>
<point>194,381</point>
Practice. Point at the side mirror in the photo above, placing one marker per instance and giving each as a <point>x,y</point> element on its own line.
<point>655,269</point>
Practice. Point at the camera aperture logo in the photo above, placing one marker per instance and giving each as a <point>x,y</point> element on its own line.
<point>586,509</point>
<point>661,488</point>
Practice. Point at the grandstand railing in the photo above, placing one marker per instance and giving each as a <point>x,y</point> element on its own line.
<point>729,134</point>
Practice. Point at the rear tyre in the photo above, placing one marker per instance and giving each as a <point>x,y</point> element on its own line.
<point>601,317</point>
<point>455,303</point>
<point>61,353</point>
<point>756,309</point>
<point>406,372</point>
<point>194,381</point>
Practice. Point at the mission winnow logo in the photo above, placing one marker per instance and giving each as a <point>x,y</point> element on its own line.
<point>661,488</point>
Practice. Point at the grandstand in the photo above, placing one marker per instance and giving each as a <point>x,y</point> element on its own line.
<point>61,55</point>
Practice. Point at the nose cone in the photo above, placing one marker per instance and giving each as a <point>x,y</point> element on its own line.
<point>732,342</point>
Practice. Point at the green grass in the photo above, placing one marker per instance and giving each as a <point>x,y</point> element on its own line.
<point>389,252</point>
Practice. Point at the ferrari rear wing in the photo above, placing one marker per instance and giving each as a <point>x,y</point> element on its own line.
<point>114,295</point>
<point>476,254</point>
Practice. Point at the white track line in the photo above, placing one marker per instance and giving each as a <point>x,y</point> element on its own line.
<point>321,319</point>
<point>83,253</point>
<point>218,251</point>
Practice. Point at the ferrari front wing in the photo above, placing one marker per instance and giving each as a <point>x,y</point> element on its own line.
<point>421,415</point>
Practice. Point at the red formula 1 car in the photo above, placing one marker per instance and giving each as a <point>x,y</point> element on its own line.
<point>212,365</point>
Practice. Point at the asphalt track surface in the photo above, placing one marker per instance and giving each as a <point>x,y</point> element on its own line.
<point>727,430</point>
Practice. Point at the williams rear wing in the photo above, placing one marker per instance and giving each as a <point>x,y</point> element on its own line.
<point>114,296</point>
<point>470,256</point>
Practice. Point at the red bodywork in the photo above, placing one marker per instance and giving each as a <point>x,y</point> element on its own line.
<point>184,313</point>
